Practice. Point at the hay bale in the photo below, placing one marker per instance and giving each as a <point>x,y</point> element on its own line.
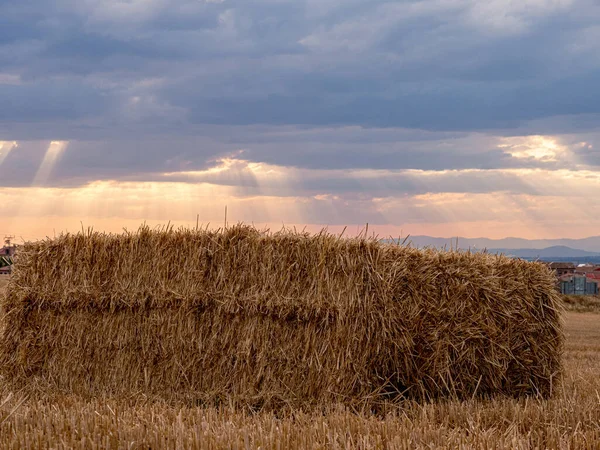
<point>250,317</point>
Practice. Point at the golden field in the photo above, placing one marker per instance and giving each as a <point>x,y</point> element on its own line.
<point>86,316</point>
<point>571,419</point>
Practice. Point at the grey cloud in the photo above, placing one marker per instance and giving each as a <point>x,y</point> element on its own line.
<point>334,197</point>
<point>83,162</point>
<point>359,185</point>
<point>430,65</point>
<point>302,148</point>
<point>18,169</point>
<point>144,88</point>
<point>51,100</point>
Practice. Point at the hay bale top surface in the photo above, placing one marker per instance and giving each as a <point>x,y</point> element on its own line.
<point>244,269</point>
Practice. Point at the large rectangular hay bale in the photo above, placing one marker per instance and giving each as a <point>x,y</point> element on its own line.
<point>249,317</point>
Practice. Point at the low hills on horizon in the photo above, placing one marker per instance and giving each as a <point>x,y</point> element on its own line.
<point>560,249</point>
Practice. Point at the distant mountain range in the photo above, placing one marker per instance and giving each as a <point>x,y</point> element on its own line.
<point>577,251</point>
<point>583,246</point>
<point>558,252</point>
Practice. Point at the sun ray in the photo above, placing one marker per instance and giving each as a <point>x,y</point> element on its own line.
<point>5,148</point>
<point>51,157</point>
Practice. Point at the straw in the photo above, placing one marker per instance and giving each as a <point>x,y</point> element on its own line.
<point>239,315</point>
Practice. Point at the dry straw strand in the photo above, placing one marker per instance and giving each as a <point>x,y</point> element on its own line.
<point>243,316</point>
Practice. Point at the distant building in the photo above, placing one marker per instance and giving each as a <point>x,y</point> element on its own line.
<point>562,268</point>
<point>7,251</point>
<point>594,274</point>
<point>9,248</point>
<point>578,285</point>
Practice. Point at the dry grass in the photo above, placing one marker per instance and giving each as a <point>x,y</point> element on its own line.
<point>570,420</point>
<point>582,303</point>
<point>244,317</point>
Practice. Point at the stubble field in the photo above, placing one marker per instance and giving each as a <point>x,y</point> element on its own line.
<point>571,419</point>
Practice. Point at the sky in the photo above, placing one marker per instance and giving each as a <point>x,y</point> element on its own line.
<point>433,117</point>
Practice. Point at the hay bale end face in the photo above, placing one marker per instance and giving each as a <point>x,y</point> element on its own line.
<point>250,317</point>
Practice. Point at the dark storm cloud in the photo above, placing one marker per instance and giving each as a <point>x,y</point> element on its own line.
<point>151,86</point>
<point>52,99</point>
<point>431,65</point>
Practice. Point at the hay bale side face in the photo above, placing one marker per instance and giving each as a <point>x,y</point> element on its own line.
<point>487,325</point>
<point>242,316</point>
